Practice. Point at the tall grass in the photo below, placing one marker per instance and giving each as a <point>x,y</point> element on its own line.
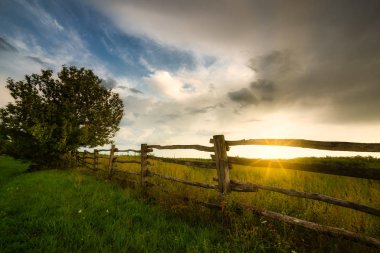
<point>352,189</point>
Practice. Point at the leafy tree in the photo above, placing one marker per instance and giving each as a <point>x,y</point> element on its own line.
<point>52,117</point>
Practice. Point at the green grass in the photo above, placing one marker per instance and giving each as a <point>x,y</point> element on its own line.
<point>69,211</point>
<point>66,211</point>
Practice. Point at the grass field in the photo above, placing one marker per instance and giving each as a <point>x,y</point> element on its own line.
<point>353,189</point>
<point>69,211</point>
<point>66,211</point>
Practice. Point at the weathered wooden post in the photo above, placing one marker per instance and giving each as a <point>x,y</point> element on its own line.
<point>95,159</point>
<point>84,158</point>
<point>77,158</point>
<point>110,163</point>
<point>221,161</point>
<point>143,164</point>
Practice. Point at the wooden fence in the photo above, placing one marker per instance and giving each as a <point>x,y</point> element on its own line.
<point>223,163</point>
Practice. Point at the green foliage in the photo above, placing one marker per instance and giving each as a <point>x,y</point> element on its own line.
<point>51,117</point>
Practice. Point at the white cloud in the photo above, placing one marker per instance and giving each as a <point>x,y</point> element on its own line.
<point>164,84</point>
<point>59,27</point>
<point>212,81</point>
<point>38,13</point>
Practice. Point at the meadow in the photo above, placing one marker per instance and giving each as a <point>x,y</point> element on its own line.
<point>358,190</point>
<point>78,210</point>
<point>68,211</point>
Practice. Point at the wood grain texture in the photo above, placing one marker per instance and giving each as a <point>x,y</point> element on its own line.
<point>221,161</point>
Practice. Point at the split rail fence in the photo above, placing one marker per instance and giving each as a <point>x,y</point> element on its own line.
<point>222,163</point>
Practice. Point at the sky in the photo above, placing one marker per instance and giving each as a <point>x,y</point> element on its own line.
<point>188,70</point>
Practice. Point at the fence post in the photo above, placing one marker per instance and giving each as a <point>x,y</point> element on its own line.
<point>77,158</point>
<point>110,163</point>
<point>221,161</point>
<point>95,159</point>
<point>143,163</point>
<point>83,158</point>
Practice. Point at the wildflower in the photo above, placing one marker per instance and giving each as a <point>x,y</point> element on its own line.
<point>107,211</point>
<point>80,210</point>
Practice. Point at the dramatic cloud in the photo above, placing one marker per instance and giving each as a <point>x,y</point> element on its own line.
<point>275,64</point>
<point>265,88</point>
<point>243,97</point>
<point>190,69</point>
<point>313,51</point>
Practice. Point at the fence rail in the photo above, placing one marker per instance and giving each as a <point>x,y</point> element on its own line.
<point>251,187</point>
<point>223,163</point>
<point>196,147</point>
<point>301,143</point>
<point>182,181</point>
<point>127,161</point>
<point>206,165</point>
<point>331,169</point>
<point>128,150</point>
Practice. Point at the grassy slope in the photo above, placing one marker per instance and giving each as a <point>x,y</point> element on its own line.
<point>64,211</point>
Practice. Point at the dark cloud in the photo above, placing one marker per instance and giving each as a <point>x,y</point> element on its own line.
<point>6,46</point>
<point>341,70</point>
<point>265,89</point>
<point>37,60</point>
<point>136,91</point>
<point>243,96</point>
<point>263,85</point>
<point>274,63</point>
<point>133,90</point>
<point>313,52</point>
<point>201,110</point>
<point>109,83</point>
<point>356,106</point>
<point>261,90</point>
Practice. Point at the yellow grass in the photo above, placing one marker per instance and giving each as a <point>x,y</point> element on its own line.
<point>352,189</point>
